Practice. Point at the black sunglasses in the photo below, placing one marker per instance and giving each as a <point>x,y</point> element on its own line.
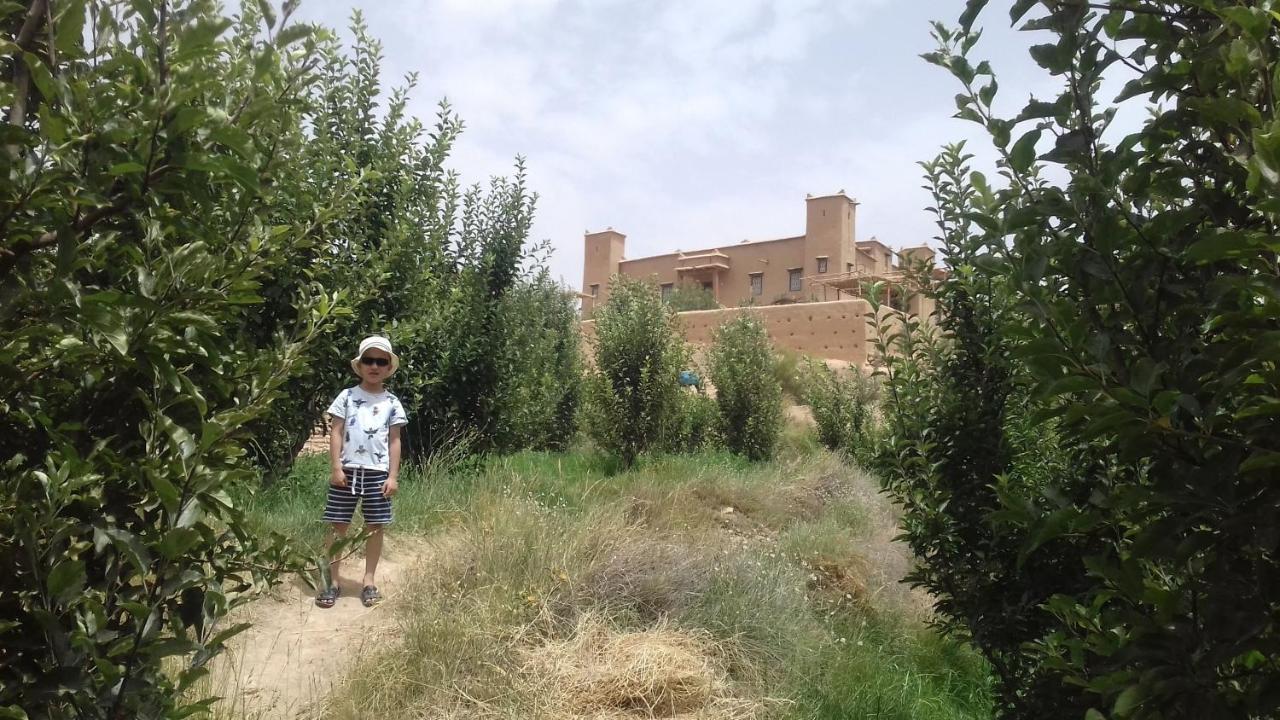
<point>380,362</point>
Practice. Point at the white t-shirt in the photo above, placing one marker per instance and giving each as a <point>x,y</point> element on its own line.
<point>369,419</point>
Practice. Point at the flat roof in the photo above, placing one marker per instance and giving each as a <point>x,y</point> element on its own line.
<point>717,248</point>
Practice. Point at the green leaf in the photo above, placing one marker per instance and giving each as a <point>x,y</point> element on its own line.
<point>1019,9</point>
<point>1222,245</point>
<point>1255,21</point>
<point>1128,701</point>
<point>125,168</point>
<point>70,28</point>
<point>164,488</point>
<point>13,712</point>
<point>1023,153</point>
<point>293,34</point>
<point>972,9</point>
<point>129,545</point>
<point>178,541</point>
<point>66,580</point>
<point>1260,460</point>
<point>268,12</point>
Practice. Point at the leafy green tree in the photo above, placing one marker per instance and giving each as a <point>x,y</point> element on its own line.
<point>688,296</point>
<point>1146,334</point>
<point>462,356</point>
<point>141,225</point>
<point>959,453</point>
<point>541,382</point>
<point>423,259</point>
<point>387,252</point>
<point>748,394</point>
<point>632,395</point>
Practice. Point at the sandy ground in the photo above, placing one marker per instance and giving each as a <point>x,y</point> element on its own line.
<point>295,652</point>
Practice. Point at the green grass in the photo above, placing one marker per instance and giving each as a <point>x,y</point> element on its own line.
<point>769,563</point>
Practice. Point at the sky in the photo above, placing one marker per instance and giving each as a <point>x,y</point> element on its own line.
<point>698,123</point>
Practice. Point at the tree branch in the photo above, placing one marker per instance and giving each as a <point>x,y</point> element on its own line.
<point>9,257</point>
<point>21,73</point>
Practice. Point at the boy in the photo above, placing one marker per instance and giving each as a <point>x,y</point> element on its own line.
<point>364,453</point>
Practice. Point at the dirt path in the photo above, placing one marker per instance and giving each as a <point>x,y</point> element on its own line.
<point>295,652</point>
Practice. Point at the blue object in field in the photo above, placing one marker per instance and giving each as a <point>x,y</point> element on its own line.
<point>688,377</point>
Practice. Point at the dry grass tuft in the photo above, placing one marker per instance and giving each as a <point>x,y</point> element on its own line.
<point>649,577</point>
<point>841,581</point>
<point>660,672</point>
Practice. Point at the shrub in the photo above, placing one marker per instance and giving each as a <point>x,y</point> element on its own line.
<point>957,455</point>
<point>1113,314</point>
<point>461,357</point>
<point>699,423</point>
<point>386,252</point>
<point>542,376</point>
<point>790,374</point>
<point>632,396</point>
<point>142,226</point>
<point>688,296</point>
<point>748,394</point>
<point>422,260</point>
<point>841,404</point>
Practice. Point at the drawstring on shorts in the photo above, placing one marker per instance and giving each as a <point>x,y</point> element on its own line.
<point>358,476</point>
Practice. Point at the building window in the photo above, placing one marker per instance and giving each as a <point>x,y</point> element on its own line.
<point>822,265</point>
<point>666,291</point>
<point>848,267</point>
<point>595,291</point>
<point>793,280</point>
<point>757,283</point>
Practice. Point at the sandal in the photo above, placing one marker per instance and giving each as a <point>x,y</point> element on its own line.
<point>327,597</point>
<point>370,596</point>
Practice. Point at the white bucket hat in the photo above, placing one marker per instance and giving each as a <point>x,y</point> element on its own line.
<point>380,343</point>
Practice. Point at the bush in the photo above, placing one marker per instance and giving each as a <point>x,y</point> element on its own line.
<point>699,424</point>
<point>788,370</point>
<point>422,260</point>
<point>841,403</point>
<point>688,296</point>
<point>632,396</point>
<point>143,225</point>
<point>1093,491</point>
<point>748,394</point>
<point>455,334</point>
<point>386,252</point>
<point>541,381</point>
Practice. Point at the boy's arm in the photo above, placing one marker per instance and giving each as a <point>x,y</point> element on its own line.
<point>393,461</point>
<point>337,427</point>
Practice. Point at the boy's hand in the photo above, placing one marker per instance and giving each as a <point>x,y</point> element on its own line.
<point>338,478</point>
<point>389,487</point>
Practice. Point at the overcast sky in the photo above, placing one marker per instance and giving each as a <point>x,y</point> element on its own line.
<point>696,123</point>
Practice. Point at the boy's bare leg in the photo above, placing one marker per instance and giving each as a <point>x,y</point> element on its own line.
<point>337,531</point>
<point>372,553</point>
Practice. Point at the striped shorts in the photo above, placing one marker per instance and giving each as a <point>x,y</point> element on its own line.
<point>364,488</point>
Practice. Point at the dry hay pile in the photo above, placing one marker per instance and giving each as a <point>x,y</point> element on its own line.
<point>660,672</point>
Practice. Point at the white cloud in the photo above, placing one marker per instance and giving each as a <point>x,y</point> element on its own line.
<point>682,123</point>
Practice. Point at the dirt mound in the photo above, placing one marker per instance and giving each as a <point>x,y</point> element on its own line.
<point>295,652</point>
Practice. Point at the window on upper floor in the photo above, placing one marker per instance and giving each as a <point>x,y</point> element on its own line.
<point>667,289</point>
<point>822,265</point>
<point>793,280</point>
<point>757,283</point>
<point>595,290</point>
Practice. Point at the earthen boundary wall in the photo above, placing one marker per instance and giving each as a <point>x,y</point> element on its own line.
<point>835,330</point>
